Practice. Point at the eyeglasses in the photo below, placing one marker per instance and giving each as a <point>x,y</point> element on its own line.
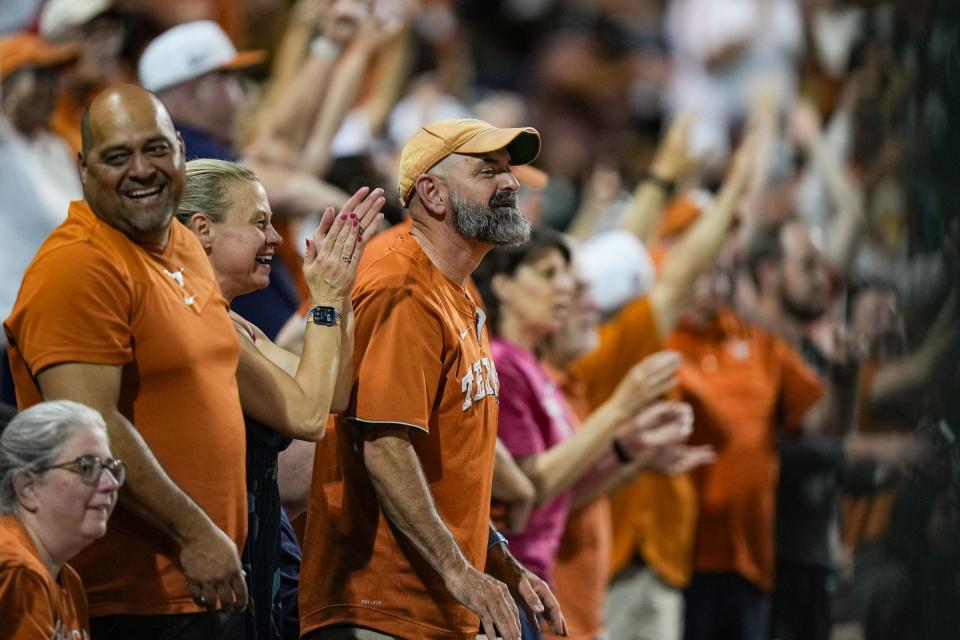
<point>90,468</point>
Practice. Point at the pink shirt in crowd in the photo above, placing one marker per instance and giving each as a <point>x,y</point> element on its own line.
<point>534,417</point>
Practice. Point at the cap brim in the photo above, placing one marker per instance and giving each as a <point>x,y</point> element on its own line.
<point>523,144</point>
<point>529,176</point>
<point>245,60</point>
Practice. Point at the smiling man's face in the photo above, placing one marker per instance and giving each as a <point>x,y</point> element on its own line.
<point>132,166</point>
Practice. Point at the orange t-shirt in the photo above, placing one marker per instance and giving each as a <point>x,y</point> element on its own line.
<point>756,382</point>
<point>422,359</point>
<point>582,567</point>
<point>34,606</point>
<point>93,296</point>
<point>654,516</point>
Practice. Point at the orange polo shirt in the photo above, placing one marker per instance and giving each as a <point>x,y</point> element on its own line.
<point>757,383</point>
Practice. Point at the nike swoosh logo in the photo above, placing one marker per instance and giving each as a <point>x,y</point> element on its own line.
<point>463,334</point>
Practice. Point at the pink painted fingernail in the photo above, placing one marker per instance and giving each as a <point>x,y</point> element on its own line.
<point>353,215</point>
<point>355,222</point>
<point>360,237</point>
<point>343,216</point>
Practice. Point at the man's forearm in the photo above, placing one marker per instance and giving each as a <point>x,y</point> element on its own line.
<point>148,491</point>
<point>405,498</point>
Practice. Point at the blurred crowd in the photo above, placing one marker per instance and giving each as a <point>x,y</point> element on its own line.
<point>745,236</point>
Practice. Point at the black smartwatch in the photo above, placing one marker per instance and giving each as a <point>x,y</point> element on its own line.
<point>326,316</point>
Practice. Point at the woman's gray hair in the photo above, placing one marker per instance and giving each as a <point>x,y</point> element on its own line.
<point>34,438</point>
<point>206,192</point>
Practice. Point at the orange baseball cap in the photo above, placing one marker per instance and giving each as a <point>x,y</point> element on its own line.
<point>435,141</point>
<point>25,50</point>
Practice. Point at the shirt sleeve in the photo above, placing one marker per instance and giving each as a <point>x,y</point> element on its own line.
<point>799,386</point>
<point>25,605</point>
<point>518,428</point>
<point>75,306</point>
<point>399,358</point>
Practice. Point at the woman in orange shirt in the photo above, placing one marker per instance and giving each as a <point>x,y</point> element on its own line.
<point>55,499</point>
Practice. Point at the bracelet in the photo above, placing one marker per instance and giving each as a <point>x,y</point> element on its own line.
<point>495,538</point>
<point>324,47</point>
<point>667,185</point>
<point>621,453</point>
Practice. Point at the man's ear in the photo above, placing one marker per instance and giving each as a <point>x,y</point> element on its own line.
<point>202,227</point>
<point>25,488</point>
<point>183,147</point>
<point>432,193</point>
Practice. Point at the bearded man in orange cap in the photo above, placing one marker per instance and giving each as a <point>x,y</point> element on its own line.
<point>398,540</point>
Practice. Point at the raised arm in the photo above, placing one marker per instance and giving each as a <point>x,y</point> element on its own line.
<point>848,221</point>
<point>671,163</point>
<point>294,109</point>
<point>344,89</point>
<point>297,405</point>
<point>901,380</point>
<point>696,251</point>
<point>208,556</point>
<point>404,496</point>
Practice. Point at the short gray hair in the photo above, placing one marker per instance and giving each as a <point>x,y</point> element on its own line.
<point>206,189</point>
<point>34,438</point>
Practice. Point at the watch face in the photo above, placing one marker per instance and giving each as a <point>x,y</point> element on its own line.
<point>324,315</point>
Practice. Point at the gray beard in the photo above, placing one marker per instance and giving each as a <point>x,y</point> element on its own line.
<point>499,223</point>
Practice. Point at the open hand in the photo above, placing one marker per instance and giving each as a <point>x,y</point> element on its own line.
<point>330,263</point>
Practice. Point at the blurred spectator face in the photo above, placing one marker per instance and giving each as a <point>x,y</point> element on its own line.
<point>711,291</point>
<point>538,296</point>
<point>219,96</point>
<point>876,321</point>
<point>803,279</point>
<point>133,169</point>
<point>29,97</point>
<point>243,245</point>
<point>101,41</point>
<point>579,333</point>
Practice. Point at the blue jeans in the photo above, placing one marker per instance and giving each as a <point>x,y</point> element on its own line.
<point>527,629</point>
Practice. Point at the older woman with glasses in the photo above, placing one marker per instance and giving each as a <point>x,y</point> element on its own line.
<point>58,487</point>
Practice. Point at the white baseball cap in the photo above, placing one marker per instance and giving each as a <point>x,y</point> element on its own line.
<point>617,266</point>
<point>60,16</point>
<point>188,51</point>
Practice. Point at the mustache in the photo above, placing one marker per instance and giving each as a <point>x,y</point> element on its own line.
<point>504,199</point>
